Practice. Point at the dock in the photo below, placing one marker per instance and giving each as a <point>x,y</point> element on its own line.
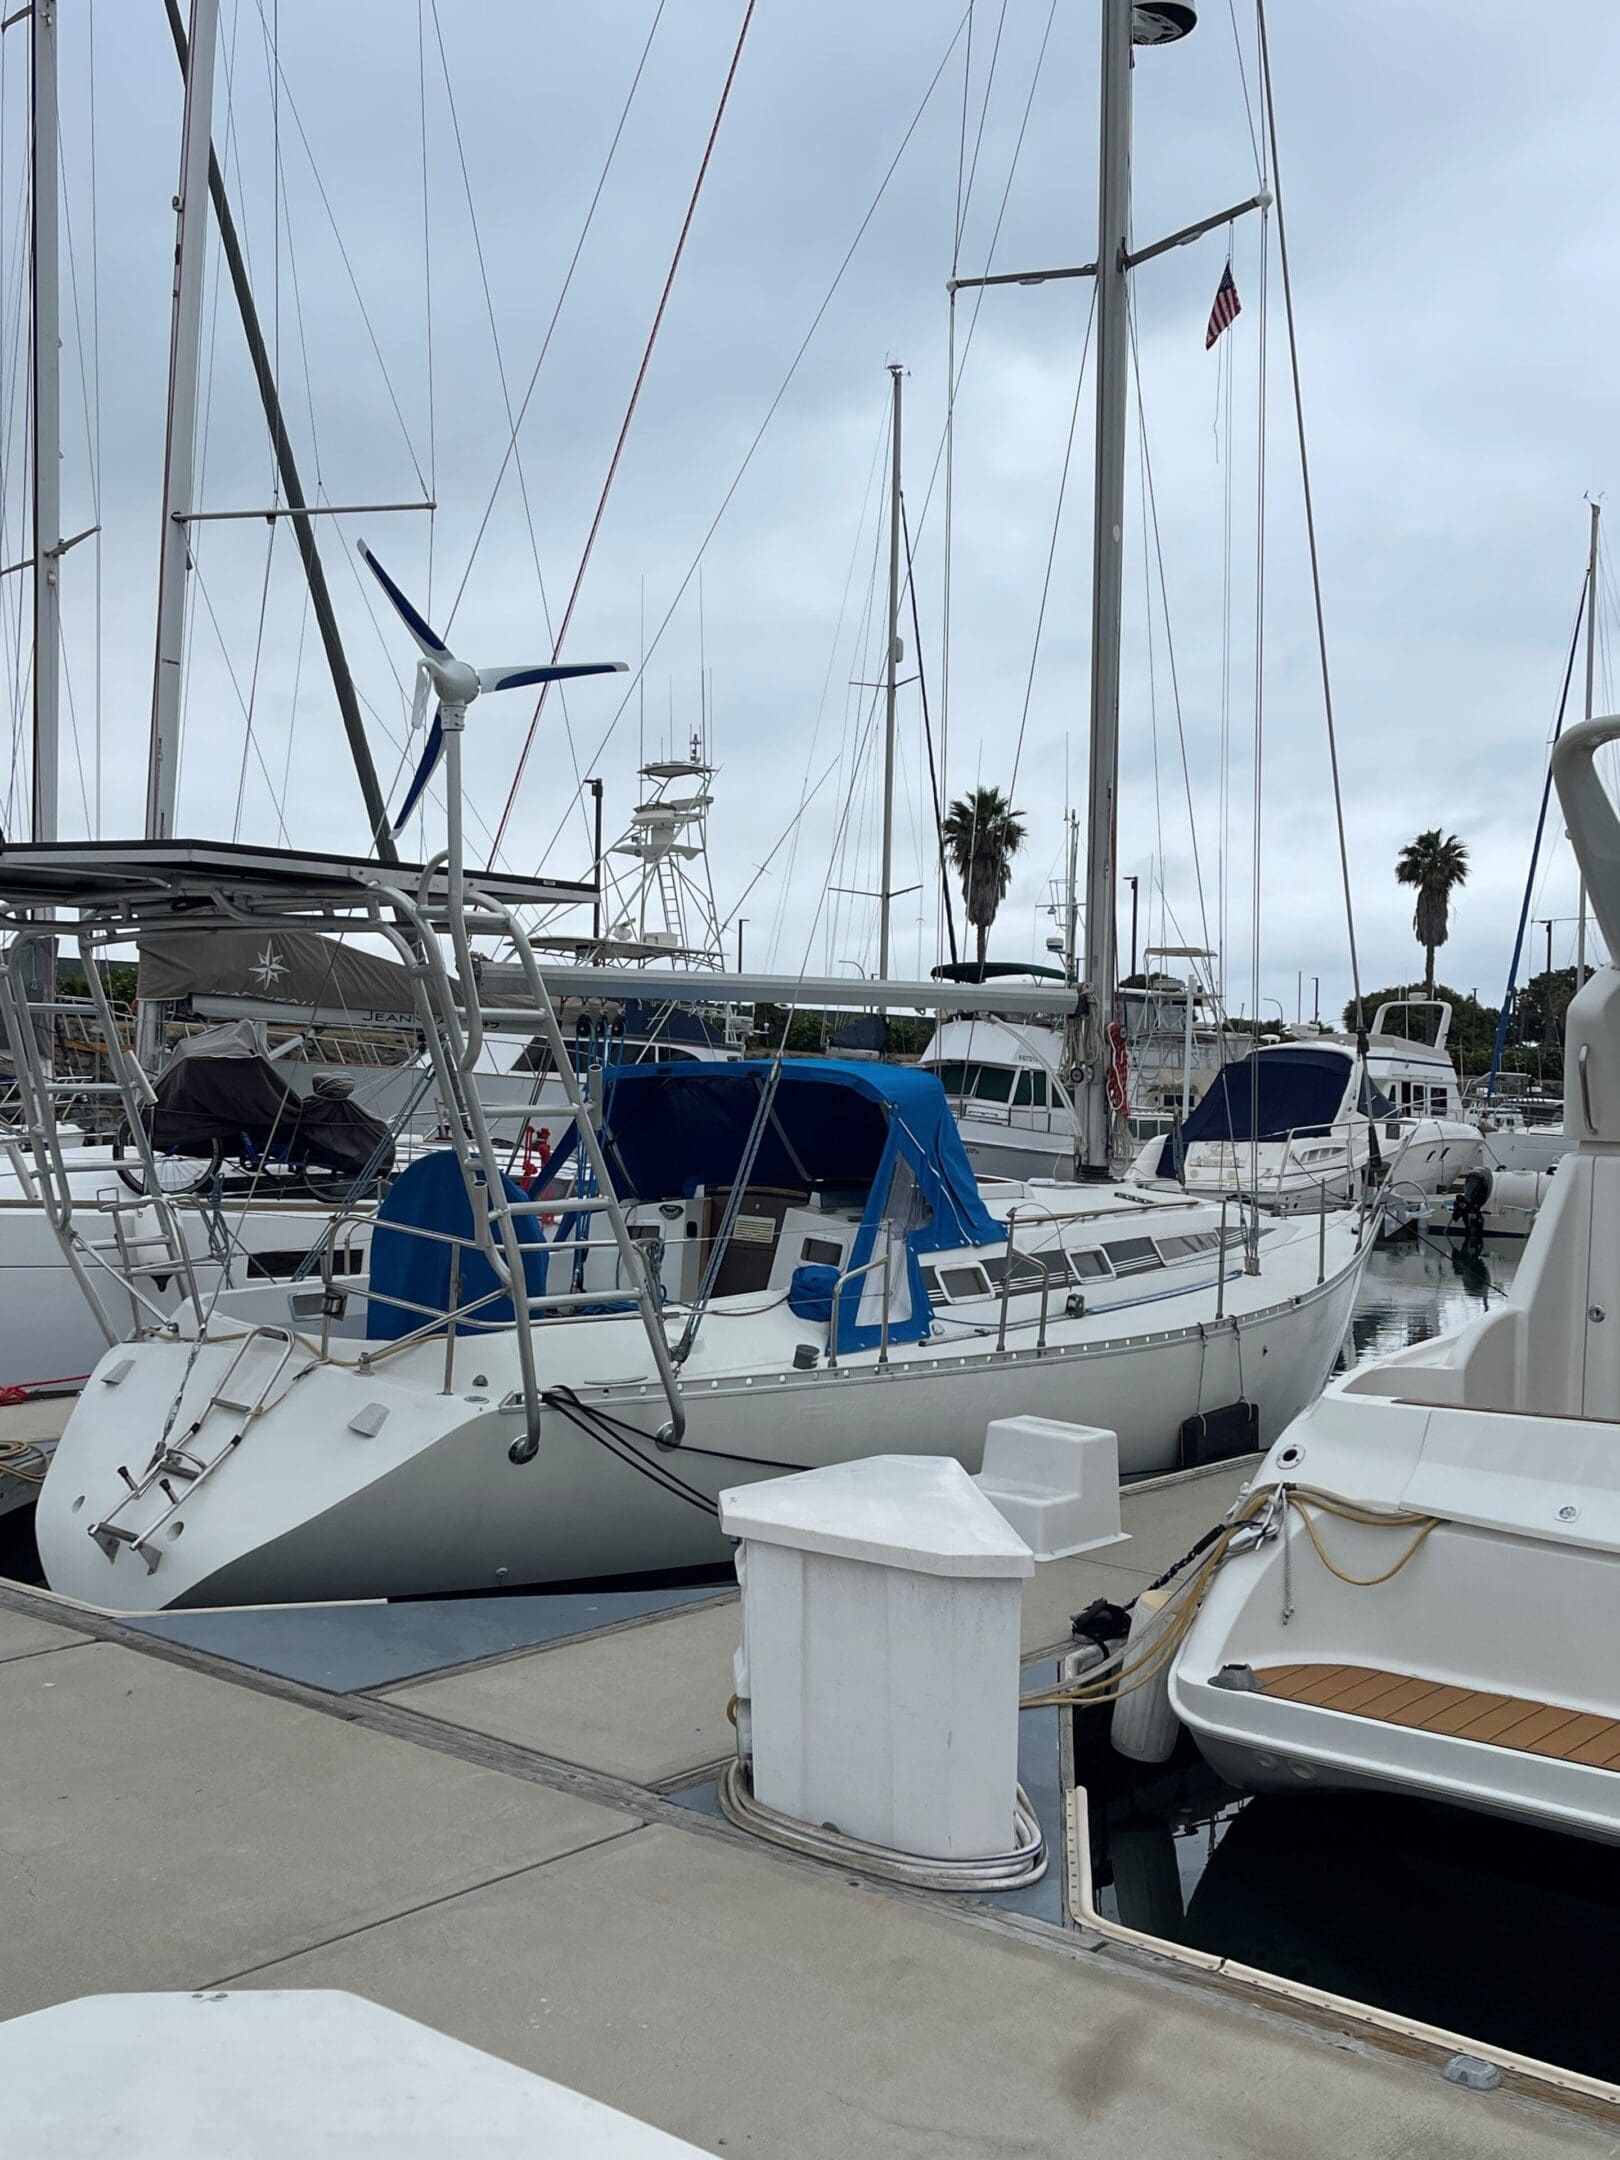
<point>493,1815</point>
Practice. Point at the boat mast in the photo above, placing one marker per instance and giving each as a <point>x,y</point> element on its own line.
<point>886,881</point>
<point>1107,572</point>
<point>47,473</point>
<point>292,487</point>
<point>185,348</point>
<point>1591,642</point>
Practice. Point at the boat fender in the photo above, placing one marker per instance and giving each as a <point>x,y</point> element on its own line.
<point>1075,1305</point>
<point>806,1357</point>
<point>1144,1725</point>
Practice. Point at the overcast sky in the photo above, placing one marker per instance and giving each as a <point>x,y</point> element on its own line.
<point>1449,181</point>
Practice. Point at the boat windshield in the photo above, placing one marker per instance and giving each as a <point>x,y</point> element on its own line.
<point>1271,1094</point>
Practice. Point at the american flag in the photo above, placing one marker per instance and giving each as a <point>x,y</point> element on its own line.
<point>1226,309</point>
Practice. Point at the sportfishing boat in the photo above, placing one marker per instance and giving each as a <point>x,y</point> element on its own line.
<point>1422,1590</point>
<point>1313,1121</point>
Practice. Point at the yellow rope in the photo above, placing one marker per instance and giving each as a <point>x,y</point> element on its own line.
<point>1177,1614</point>
<point>1425,1524</point>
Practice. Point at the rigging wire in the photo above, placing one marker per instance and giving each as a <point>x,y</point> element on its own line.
<point>781,393</point>
<point>1269,108</point>
<point>1051,550</point>
<point>624,426</point>
<point>562,295</point>
<point>1151,518</point>
<point>954,371</point>
<point>427,292</point>
<point>506,394</point>
<point>348,266</point>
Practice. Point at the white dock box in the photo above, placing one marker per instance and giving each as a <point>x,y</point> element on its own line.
<point>880,1614</point>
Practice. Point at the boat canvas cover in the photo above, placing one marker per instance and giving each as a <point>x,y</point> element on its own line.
<point>1271,1095</point>
<point>884,1131</point>
<point>412,1278</point>
<point>220,1090</point>
<point>276,967</point>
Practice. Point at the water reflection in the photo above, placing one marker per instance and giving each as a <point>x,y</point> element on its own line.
<point>1419,1289</point>
<point>1502,1934</point>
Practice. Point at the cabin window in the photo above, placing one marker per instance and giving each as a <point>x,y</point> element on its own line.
<point>1030,1091</point>
<point>964,1282</point>
<point>1087,1265</point>
<point>1029,1270</point>
<point>1133,1256</point>
<point>990,1083</point>
<point>277,1266</point>
<point>1176,1248</point>
<point>822,1252</point>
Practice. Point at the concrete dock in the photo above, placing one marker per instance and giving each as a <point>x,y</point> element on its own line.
<point>481,1813</point>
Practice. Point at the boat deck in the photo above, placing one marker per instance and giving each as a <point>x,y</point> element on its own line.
<point>1516,1722</point>
<point>493,1815</point>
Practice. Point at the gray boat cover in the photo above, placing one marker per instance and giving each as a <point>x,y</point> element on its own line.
<point>296,968</point>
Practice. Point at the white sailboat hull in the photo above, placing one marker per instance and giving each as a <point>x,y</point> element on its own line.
<point>307,1507</point>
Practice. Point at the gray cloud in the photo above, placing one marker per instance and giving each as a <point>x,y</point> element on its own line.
<point>1447,196</point>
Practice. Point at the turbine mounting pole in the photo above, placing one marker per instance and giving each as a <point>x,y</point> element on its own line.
<point>1591,642</point>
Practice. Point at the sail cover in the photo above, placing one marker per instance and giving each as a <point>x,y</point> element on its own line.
<point>294,968</point>
<point>884,1132</point>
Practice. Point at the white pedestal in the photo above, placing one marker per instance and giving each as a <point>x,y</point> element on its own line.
<point>881,1611</point>
<point>1057,1484</point>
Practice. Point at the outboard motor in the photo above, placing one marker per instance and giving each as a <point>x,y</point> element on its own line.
<point>1468,1208</point>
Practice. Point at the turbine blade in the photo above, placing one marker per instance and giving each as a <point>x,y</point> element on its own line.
<point>424,684</point>
<point>432,751</point>
<point>513,678</point>
<point>430,642</point>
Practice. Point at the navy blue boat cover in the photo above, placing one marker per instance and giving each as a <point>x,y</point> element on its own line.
<point>1269,1095</point>
<point>410,1273</point>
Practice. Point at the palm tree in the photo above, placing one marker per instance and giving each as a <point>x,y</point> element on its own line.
<point>982,834</point>
<point>1435,867</point>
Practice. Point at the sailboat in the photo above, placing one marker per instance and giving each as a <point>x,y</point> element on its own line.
<point>729,1271</point>
<point>1421,1594</point>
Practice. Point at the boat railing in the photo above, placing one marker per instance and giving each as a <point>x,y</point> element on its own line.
<point>1034,1211</point>
<point>883,1260</point>
<point>537,1305</point>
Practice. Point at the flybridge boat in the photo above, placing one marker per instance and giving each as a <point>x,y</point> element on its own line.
<point>1422,1595</point>
<point>828,1281</point>
<point>1006,1077</point>
<point>1315,1120</point>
